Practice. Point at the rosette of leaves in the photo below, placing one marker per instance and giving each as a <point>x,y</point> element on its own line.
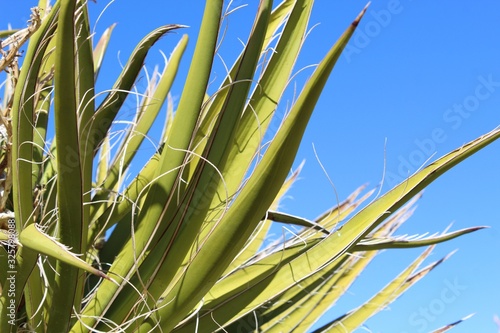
<point>184,250</point>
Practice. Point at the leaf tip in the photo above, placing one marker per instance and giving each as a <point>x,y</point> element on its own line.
<point>360,16</point>
<point>104,276</point>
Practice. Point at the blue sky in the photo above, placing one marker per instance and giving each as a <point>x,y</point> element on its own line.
<point>419,79</point>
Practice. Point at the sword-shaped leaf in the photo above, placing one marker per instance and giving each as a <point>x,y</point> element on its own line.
<point>370,244</point>
<point>34,238</point>
<point>294,220</point>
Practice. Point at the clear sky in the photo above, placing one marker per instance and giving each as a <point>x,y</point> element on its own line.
<point>419,79</point>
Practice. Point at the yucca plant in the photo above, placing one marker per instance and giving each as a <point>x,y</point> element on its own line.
<point>179,248</point>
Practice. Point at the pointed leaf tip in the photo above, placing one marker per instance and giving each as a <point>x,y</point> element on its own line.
<point>360,16</point>
<point>450,326</point>
<point>34,238</point>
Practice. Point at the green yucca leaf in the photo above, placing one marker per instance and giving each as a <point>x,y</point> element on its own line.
<point>370,244</point>
<point>85,107</point>
<point>34,238</point>
<point>295,220</point>
<point>70,187</point>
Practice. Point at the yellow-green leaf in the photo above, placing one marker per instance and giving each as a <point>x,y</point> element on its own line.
<point>34,238</point>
